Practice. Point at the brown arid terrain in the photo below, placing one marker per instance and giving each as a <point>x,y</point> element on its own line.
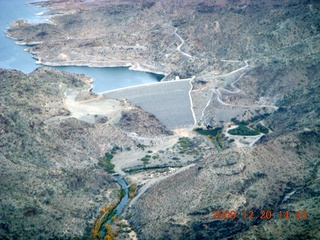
<point>51,184</point>
<point>250,61</point>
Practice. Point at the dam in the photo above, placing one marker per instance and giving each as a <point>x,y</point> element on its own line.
<point>168,101</point>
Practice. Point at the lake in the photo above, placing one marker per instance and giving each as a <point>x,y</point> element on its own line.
<point>13,56</point>
<point>109,78</point>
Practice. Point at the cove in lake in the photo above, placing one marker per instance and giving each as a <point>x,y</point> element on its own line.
<point>110,78</point>
<point>13,56</point>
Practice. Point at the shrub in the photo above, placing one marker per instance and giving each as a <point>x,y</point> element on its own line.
<point>187,146</point>
<point>109,233</point>
<point>242,122</point>
<point>262,128</point>
<point>106,164</point>
<point>139,145</point>
<point>108,156</point>
<point>132,190</point>
<point>184,142</point>
<point>155,156</point>
<point>115,149</point>
<point>212,132</point>
<point>243,131</point>
<point>146,159</point>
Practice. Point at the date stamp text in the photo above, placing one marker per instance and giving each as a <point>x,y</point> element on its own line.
<point>258,214</point>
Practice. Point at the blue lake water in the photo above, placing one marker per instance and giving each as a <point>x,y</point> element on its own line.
<point>113,77</point>
<point>13,56</point>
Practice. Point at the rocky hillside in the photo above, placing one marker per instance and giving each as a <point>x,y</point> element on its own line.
<point>281,173</point>
<point>143,34</point>
<point>278,175</point>
<point>51,186</point>
<point>141,123</point>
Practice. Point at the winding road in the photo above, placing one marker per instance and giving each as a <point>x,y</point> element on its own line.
<point>218,92</point>
<point>242,106</point>
<point>182,42</point>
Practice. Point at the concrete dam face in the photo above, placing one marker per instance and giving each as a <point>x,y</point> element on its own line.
<point>168,101</point>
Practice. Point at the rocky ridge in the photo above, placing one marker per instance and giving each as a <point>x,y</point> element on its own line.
<point>51,183</point>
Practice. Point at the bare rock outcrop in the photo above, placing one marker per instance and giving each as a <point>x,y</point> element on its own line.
<point>143,124</point>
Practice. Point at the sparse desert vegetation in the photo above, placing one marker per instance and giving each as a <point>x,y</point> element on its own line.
<point>253,62</point>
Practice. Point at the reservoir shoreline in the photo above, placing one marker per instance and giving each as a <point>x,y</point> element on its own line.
<point>103,79</point>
